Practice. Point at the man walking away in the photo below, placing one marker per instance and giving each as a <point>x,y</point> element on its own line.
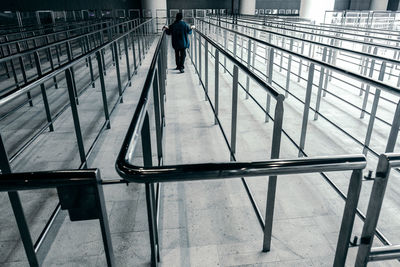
<point>179,31</point>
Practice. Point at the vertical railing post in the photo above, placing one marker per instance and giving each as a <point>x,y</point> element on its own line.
<point>191,45</point>
<point>162,77</point>
<point>206,68</point>
<point>44,94</point>
<point>281,53</point>
<point>199,70</point>
<point>195,49</point>
<point>368,87</point>
<point>89,58</point>
<point>50,58</point>
<point>18,211</point>
<point>118,72</point>
<point>272,180</point>
<point>349,213</point>
<point>234,44</point>
<point>137,33</point>
<point>128,67</point>
<point>394,130</point>
<point>248,66</point>
<point>270,75</point>
<point>216,105</point>
<point>157,114</point>
<point>226,47</point>
<point>306,109</point>
<point>103,88</point>
<point>23,70</point>
<point>373,111</point>
<point>234,110</point>
<point>289,69</point>
<point>143,37</point>
<point>320,85</point>
<point>104,225</point>
<point>133,52</point>
<point>241,47</point>
<point>70,56</point>
<point>373,211</point>
<point>75,116</point>
<point>91,71</point>
<point>254,49</point>
<point>150,201</point>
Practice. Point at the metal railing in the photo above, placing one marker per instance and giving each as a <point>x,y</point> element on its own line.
<point>365,251</point>
<point>252,41</point>
<point>140,129</point>
<point>365,56</point>
<point>321,87</point>
<point>138,36</point>
<point>356,33</point>
<point>368,64</point>
<point>307,32</point>
<point>28,38</point>
<point>53,52</point>
<point>67,69</point>
<point>368,19</point>
<point>22,33</point>
<point>284,22</point>
<point>80,192</point>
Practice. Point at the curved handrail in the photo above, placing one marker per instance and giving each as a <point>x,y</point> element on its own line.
<point>185,172</point>
<point>140,112</point>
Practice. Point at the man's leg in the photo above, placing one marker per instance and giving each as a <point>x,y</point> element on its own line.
<point>183,56</point>
<point>177,58</point>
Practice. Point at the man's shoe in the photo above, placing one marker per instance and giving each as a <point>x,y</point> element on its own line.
<point>181,70</point>
<point>177,68</point>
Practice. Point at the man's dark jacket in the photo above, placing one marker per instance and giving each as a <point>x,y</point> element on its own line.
<point>179,31</point>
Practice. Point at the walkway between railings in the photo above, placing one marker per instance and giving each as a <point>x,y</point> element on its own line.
<point>217,217</point>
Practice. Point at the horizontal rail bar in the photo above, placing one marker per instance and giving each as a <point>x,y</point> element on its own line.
<point>394,159</point>
<point>50,179</point>
<point>188,172</point>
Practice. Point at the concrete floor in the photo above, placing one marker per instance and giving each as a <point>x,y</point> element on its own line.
<point>201,223</point>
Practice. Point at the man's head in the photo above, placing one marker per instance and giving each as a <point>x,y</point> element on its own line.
<point>179,16</point>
